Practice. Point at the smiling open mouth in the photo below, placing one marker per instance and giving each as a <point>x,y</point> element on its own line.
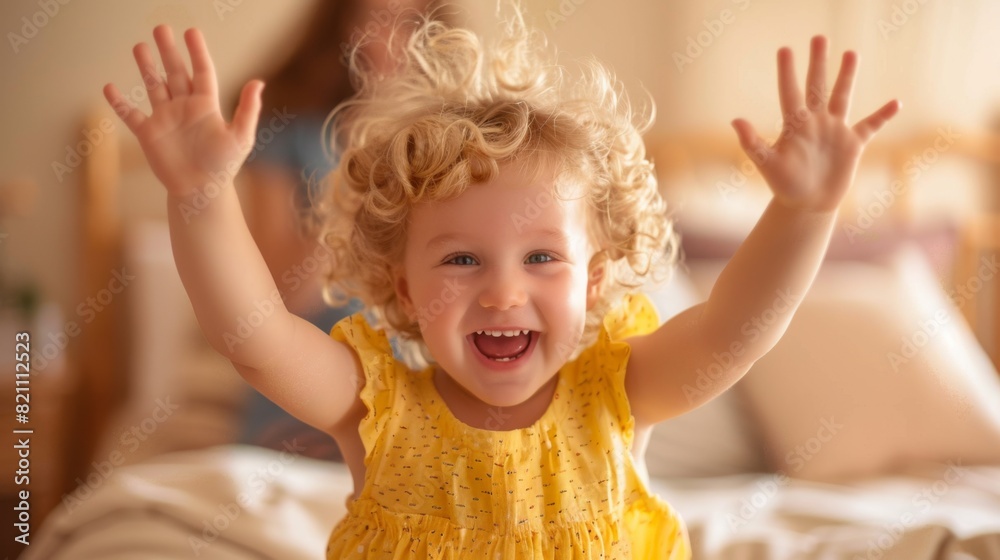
<point>502,346</point>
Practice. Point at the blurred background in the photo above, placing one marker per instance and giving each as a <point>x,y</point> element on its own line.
<point>941,61</point>
<point>85,262</point>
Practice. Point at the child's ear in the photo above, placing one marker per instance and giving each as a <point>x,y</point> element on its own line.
<point>595,280</point>
<point>402,288</point>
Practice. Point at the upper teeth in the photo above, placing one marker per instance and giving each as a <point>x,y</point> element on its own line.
<point>504,333</point>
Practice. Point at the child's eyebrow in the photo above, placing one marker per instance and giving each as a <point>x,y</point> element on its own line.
<point>556,234</point>
<point>442,239</point>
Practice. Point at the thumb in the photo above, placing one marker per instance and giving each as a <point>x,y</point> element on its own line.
<point>247,112</point>
<point>753,145</point>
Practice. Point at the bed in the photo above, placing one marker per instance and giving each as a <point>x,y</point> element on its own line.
<point>841,443</point>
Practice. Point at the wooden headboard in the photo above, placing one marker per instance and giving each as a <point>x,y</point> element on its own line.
<point>676,155</point>
<point>102,352</point>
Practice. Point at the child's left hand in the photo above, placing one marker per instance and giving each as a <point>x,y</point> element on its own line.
<point>812,164</point>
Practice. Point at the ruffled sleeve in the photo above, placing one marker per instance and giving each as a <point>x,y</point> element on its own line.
<point>635,316</point>
<point>380,370</point>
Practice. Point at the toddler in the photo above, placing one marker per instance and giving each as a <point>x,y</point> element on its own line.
<point>498,214</point>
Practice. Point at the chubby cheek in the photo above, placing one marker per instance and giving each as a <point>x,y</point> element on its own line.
<point>439,305</point>
<point>427,295</point>
<point>566,310</point>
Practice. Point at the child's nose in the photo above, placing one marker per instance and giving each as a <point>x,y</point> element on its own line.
<point>503,291</point>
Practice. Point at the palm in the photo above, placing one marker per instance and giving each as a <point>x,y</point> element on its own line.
<point>812,164</point>
<point>186,140</point>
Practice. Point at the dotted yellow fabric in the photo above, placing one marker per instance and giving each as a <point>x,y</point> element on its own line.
<point>564,487</point>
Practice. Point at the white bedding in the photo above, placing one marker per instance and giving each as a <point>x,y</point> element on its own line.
<point>188,504</point>
<point>237,502</point>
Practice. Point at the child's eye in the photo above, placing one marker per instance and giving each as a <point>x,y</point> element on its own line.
<point>464,260</point>
<point>538,258</point>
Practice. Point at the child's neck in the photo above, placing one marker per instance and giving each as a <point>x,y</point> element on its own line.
<point>470,410</point>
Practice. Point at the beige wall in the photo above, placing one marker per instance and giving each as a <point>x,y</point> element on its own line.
<point>942,61</point>
<point>941,57</point>
<point>56,77</point>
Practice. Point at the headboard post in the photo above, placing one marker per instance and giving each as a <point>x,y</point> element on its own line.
<point>100,355</point>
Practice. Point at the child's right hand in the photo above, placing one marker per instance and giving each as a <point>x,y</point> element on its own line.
<point>233,294</point>
<point>186,140</point>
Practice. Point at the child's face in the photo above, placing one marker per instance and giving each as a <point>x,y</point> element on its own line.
<point>505,255</point>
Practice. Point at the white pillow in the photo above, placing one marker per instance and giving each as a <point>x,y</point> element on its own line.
<point>171,367</point>
<point>712,440</point>
<point>843,395</point>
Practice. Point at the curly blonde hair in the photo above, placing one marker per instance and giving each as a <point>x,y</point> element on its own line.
<point>447,117</point>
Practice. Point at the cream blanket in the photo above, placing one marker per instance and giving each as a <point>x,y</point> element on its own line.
<point>236,502</point>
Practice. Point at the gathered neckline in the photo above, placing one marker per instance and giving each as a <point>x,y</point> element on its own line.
<point>557,400</point>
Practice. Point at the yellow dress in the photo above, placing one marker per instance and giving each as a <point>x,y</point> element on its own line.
<point>564,487</point>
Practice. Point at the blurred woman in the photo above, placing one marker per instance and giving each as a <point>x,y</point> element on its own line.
<point>284,174</point>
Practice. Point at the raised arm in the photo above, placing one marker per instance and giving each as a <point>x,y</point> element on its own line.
<point>196,154</point>
<point>703,351</point>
